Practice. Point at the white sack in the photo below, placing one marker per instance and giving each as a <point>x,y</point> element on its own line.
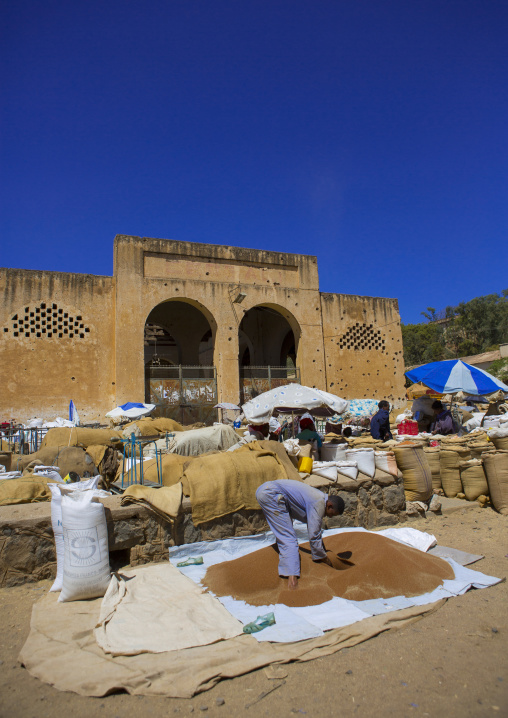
<point>292,446</point>
<point>385,460</point>
<point>491,422</point>
<point>347,468</point>
<point>56,520</point>
<point>365,460</point>
<point>50,472</point>
<point>86,571</point>
<point>333,452</point>
<point>327,469</point>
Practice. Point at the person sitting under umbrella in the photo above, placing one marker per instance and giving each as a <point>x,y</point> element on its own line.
<point>443,423</point>
<point>308,430</point>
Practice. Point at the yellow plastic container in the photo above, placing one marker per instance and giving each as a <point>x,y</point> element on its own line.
<point>305,464</point>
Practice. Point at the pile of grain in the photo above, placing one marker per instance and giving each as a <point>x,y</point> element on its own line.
<point>365,566</point>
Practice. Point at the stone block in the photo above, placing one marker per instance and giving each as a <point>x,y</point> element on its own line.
<point>363,496</point>
<point>394,499</point>
<point>376,496</point>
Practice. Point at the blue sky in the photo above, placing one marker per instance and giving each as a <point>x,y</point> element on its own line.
<point>371,134</point>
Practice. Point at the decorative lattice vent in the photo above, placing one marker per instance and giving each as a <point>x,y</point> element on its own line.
<point>47,320</point>
<point>362,336</point>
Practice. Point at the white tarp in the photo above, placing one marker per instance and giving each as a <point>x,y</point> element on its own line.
<point>295,624</point>
<point>291,396</point>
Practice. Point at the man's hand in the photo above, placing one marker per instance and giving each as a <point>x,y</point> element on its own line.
<point>292,583</point>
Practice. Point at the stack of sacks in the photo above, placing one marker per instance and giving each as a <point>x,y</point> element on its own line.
<point>495,464</point>
<point>151,427</point>
<point>416,473</point>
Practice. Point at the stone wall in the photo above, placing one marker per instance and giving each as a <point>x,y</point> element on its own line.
<point>137,536</point>
<point>81,337</point>
<point>57,344</point>
<point>363,347</point>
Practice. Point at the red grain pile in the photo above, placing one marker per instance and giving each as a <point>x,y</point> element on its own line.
<point>365,566</point>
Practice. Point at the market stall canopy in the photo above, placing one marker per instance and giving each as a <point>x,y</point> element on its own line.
<point>131,410</point>
<point>291,398</point>
<point>453,375</point>
<point>227,405</point>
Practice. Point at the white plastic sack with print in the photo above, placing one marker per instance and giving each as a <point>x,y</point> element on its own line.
<point>86,571</point>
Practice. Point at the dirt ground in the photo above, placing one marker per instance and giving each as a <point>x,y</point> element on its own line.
<point>453,662</point>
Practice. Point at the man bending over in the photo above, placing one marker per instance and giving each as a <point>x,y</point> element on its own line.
<point>283,501</point>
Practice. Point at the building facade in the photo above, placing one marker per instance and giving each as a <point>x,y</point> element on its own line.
<point>187,325</point>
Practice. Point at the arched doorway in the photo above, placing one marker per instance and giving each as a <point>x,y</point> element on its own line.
<point>267,350</point>
<point>180,378</point>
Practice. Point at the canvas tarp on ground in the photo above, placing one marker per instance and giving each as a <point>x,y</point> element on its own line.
<point>155,609</point>
<point>62,635</point>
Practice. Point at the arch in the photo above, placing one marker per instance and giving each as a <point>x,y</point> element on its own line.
<point>188,322</point>
<point>271,333</point>
<point>179,374</point>
<point>268,338</point>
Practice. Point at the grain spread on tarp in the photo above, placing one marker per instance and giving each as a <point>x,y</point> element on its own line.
<point>365,566</point>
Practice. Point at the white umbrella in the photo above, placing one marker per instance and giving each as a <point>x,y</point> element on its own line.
<point>291,397</point>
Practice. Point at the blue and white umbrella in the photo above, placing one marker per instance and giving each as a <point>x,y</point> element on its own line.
<point>453,375</point>
<point>131,410</point>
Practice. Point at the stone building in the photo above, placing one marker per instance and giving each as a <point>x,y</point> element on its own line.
<point>184,326</point>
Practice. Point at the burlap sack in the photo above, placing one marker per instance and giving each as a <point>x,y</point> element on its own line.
<point>496,469</point>
<point>454,440</point>
<point>25,490</point>
<point>473,479</point>
<point>432,454</point>
<point>500,442</point>
<point>162,424</point>
<point>362,442</point>
<point>226,482</point>
<point>67,458</point>
<point>140,427</point>
<point>416,473</point>
<point>449,459</point>
<point>62,436</point>
<point>477,448</point>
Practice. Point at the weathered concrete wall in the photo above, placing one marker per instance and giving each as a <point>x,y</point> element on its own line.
<point>81,337</point>
<point>151,271</point>
<point>57,344</point>
<point>138,536</point>
<point>363,347</point>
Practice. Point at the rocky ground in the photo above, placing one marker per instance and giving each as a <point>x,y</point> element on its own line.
<point>453,662</point>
